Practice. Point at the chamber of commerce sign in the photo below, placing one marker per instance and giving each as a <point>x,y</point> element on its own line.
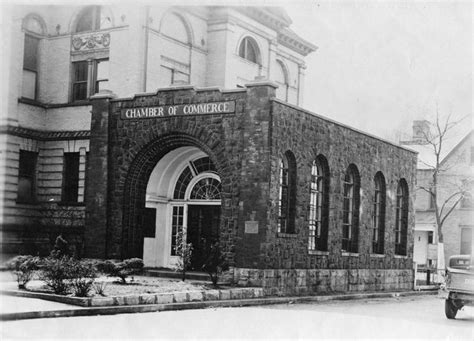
<point>178,110</point>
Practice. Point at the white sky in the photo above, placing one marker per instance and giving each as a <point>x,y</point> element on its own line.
<point>382,64</point>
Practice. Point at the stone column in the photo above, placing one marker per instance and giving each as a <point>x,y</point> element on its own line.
<point>95,231</point>
<point>256,168</point>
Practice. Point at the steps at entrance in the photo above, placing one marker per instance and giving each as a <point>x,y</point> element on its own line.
<point>194,275</point>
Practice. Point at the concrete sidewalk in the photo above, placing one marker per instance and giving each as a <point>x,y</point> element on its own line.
<point>18,308</point>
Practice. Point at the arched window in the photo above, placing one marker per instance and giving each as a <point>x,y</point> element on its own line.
<point>33,30</point>
<point>287,194</point>
<point>282,80</point>
<point>351,202</point>
<point>248,49</point>
<point>319,205</point>
<point>378,214</point>
<point>401,218</point>
<point>93,18</point>
<point>174,27</point>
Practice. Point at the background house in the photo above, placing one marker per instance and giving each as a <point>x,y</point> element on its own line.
<point>458,166</point>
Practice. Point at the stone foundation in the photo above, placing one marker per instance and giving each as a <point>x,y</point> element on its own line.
<point>281,282</point>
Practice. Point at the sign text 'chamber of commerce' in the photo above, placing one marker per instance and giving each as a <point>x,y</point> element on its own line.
<point>178,110</point>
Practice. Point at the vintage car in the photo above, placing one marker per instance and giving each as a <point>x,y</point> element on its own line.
<point>458,290</point>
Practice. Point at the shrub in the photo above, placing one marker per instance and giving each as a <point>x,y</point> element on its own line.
<point>215,263</point>
<point>56,273</point>
<point>61,248</point>
<point>121,269</point>
<point>99,288</point>
<point>184,252</point>
<point>24,267</point>
<point>82,275</point>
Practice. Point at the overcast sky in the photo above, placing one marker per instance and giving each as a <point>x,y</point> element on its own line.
<point>381,64</point>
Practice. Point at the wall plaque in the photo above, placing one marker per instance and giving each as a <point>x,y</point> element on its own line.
<point>178,110</point>
<point>251,227</point>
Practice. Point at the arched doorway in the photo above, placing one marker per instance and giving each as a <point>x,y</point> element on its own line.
<point>185,190</point>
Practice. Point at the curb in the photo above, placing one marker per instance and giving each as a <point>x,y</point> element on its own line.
<point>91,311</point>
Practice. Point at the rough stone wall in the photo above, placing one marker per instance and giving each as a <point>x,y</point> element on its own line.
<point>280,282</point>
<point>237,144</point>
<point>307,136</point>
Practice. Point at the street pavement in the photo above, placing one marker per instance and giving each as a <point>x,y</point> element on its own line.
<point>414,317</point>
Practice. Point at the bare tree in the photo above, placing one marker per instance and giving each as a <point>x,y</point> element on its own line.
<point>445,193</point>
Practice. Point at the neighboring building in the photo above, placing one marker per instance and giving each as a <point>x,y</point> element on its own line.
<point>298,203</point>
<point>458,166</point>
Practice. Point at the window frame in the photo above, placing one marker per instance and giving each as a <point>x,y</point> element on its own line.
<point>287,194</point>
<point>243,51</point>
<point>401,218</point>
<point>27,159</point>
<point>27,66</point>
<point>91,82</point>
<point>96,13</point>
<point>350,210</point>
<point>378,214</point>
<point>71,176</point>
<point>319,205</point>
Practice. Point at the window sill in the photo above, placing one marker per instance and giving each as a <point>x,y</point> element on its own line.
<point>377,255</point>
<point>401,256</point>
<point>286,235</point>
<point>350,254</point>
<point>318,253</point>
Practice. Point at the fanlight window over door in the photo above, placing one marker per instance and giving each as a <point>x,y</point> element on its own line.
<point>206,189</point>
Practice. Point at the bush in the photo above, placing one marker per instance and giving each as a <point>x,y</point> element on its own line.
<point>24,267</point>
<point>57,272</point>
<point>82,275</point>
<point>184,252</point>
<point>121,269</point>
<point>215,263</point>
<point>61,248</point>
<point>99,288</point>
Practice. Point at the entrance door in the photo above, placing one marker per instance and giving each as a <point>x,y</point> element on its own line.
<point>203,229</point>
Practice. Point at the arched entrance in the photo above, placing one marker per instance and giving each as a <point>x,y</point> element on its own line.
<point>185,190</point>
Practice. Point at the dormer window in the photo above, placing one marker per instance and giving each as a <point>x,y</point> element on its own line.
<point>249,50</point>
<point>93,18</point>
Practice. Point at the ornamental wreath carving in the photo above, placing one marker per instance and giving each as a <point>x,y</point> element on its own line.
<point>91,41</point>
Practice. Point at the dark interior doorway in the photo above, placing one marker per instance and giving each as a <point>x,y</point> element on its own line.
<point>203,230</point>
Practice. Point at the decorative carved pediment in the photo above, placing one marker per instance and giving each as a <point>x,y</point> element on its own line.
<point>90,41</point>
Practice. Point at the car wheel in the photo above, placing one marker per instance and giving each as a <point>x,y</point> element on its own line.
<point>450,309</point>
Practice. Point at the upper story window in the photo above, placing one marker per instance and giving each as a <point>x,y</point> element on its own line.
<point>89,77</point>
<point>319,205</point>
<point>350,213</point>
<point>378,214</point>
<point>93,18</point>
<point>282,80</point>
<point>287,194</point>
<point>174,27</point>
<point>26,192</point>
<point>248,49</point>
<point>33,31</point>
<point>401,218</point>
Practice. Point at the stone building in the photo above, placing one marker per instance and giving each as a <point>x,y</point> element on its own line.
<point>97,146</point>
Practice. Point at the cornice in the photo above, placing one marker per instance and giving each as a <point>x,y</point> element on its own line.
<point>42,135</point>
